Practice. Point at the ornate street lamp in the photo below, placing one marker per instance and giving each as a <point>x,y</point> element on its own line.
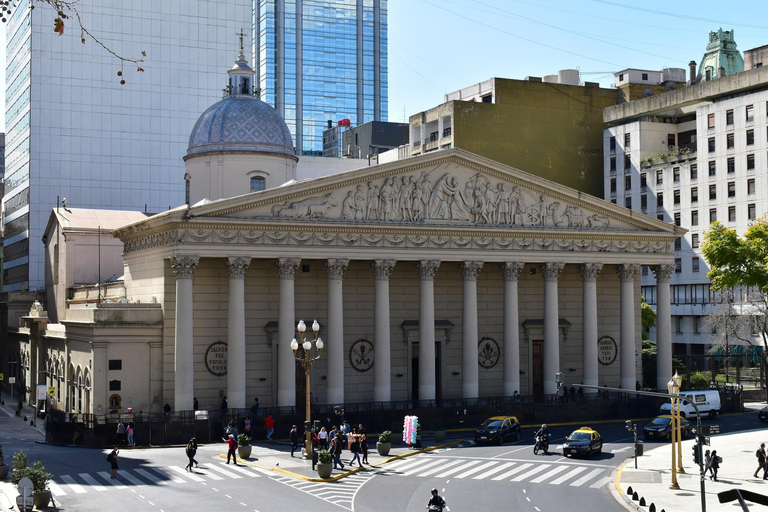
<point>307,361</point>
<point>678,380</point>
<point>673,386</point>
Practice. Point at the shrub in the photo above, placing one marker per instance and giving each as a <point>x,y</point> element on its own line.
<point>385,437</point>
<point>243,440</point>
<point>37,473</point>
<point>699,381</point>
<point>324,457</point>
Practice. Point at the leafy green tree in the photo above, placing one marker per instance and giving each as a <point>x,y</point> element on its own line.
<point>648,319</point>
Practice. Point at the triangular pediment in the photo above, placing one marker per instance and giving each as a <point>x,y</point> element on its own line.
<point>445,188</point>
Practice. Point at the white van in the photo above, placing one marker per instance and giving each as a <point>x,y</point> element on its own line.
<point>708,402</point>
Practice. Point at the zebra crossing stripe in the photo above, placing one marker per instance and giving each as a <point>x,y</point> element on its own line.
<point>262,471</point>
<point>92,482</point>
<point>244,471</point>
<point>586,478</point>
<point>410,464</point>
<point>224,472</point>
<point>421,467</point>
<point>128,476</point>
<point>176,479</point>
<point>537,469</point>
<point>498,468</point>
<point>476,469</point>
<point>187,474</point>
<point>511,472</point>
<point>112,481</point>
<point>600,482</point>
<point>440,468</point>
<point>549,475</point>
<point>72,484</point>
<point>461,467</point>
<point>575,471</point>
<point>149,476</point>
<point>55,489</point>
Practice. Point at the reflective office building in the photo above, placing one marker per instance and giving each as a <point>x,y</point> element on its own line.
<point>321,60</point>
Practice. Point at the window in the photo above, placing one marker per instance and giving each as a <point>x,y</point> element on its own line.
<point>643,202</point>
<point>660,217</point>
<point>694,172</point>
<point>731,189</point>
<point>711,121</point>
<point>115,364</point>
<point>671,140</point>
<point>678,244</point>
<point>678,324</point>
<point>676,175</point>
<point>731,165</point>
<point>750,137</point>
<point>729,141</point>
<point>750,162</point>
<point>731,214</point>
<point>660,200</point>
<point>751,212</point>
<point>114,385</point>
<point>626,141</point>
<point>627,163</point>
<point>678,269</point>
<point>694,218</point>
<point>628,183</point>
<point>750,113</point>
<point>258,183</point>
<point>643,181</point>
<point>659,177</point>
<point>695,240</point>
<point>712,168</point>
<point>612,144</point>
<point>729,116</point>
<point>621,77</point>
<point>751,186</point>
<point>677,221</point>
<point>613,185</point>
<point>695,195</point>
<point>696,325</point>
<point>613,165</point>
<point>645,76</point>
<point>694,264</point>
<point>676,197</point>
<point>713,191</point>
<point>711,145</point>
<point>628,202</point>
<point>712,215</point>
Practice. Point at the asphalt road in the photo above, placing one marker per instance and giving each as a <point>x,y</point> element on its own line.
<point>471,477</point>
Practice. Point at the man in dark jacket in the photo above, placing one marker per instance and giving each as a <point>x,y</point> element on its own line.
<point>294,439</point>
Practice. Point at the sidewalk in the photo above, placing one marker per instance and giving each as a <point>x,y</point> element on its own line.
<point>15,427</point>
<point>652,478</point>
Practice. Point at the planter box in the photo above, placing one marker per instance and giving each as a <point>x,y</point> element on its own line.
<point>439,436</point>
<point>42,499</point>
<point>244,451</point>
<point>383,448</point>
<point>324,470</point>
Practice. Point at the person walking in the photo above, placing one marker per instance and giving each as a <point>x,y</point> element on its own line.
<point>232,448</point>
<point>247,427</point>
<point>120,433</point>
<point>224,406</point>
<point>322,437</point>
<point>191,451</point>
<point>196,405</point>
<point>294,437</point>
<point>760,454</point>
<point>129,433</point>
<point>113,462</point>
<point>716,460</point>
<point>255,407</point>
<point>354,447</point>
<point>269,421</point>
<point>707,462</point>
<point>364,447</point>
<point>336,449</point>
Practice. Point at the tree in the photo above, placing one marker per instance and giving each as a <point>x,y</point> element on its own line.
<point>65,9</point>
<point>648,319</point>
<point>648,316</point>
<point>739,265</point>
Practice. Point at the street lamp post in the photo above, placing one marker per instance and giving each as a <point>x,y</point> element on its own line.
<point>678,380</point>
<point>674,388</point>
<point>307,361</point>
<point>14,376</point>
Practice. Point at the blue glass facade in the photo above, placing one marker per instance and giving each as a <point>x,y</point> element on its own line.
<point>320,60</point>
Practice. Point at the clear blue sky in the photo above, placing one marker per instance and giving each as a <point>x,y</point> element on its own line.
<point>440,46</point>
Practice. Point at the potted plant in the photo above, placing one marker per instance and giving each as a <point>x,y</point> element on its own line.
<point>438,431</point>
<point>39,476</point>
<point>244,446</point>
<point>324,464</point>
<point>385,443</point>
<point>3,465</point>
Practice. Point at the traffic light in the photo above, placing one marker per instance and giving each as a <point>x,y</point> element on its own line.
<point>629,425</point>
<point>559,379</point>
<point>316,425</point>
<point>696,454</point>
<point>307,426</point>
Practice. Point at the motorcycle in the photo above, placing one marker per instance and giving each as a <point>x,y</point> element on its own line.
<point>434,508</point>
<point>542,443</point>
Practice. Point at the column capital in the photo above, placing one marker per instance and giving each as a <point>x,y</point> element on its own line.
<point>286,267</point>
<point>470,269</point>
<point>237,267</point>
<point>427,269</point>
<point>184,266</point>
<point>382,268</point>
<point>551,271</point>
<point>627,271</point>
<point>335,268</point>
<point>589,271</point>
<point>663,272</point>
<point>511,270</point>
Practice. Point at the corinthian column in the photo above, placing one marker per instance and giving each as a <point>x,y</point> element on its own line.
<point>382,367</point>
<point>589,273</point>
<point>511,270</point>
<point>627,273</point>
<point>663,325</point>
<point>469,271</point>
<point>550,272</point>
<point>236,332</point>
<point>184,363</point>
<point>286,330</point>
<point>335,269</point>
<point>427,270</point>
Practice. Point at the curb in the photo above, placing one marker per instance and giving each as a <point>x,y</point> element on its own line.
<point>624,498</point>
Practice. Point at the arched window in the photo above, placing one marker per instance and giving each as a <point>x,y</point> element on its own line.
<point>258,183</point>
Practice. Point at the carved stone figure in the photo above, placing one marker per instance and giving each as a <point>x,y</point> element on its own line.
<point>598,221</point>
<point>537,212</point>
<point>319,211</point>
<point>301,208</point>
<point>387,200</point>
<point>573,216</point>
<point>503,205</point>
<point>360,203</point>
<point>372,210</point>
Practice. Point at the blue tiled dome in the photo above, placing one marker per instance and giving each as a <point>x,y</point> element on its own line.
<point>241,123</point>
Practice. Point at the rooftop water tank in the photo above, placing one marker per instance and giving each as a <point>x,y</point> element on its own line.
<point>568,76</point>
<point>550,79</point>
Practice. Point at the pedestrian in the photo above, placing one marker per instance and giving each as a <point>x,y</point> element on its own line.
<point>113,460</point>
<point>255,407</point>
<point>716,460</point>
<point>707,462</point>
<point>129,433</point>
<point>191,451</point>
<point>232,448</point>
<point>364,447</point>
<point>224,406</point>
<point>760,454</point>
<point>345,430</point>
<point>354,447</point>
<point>516,397</point>
<point>322,437</point>
<point>247,427</point>
<point>120,433</point>
<point>270,423</point>
<point>196,405</point>
<point>294,437</point>
<point>336,449</point>
<point>167,411</point>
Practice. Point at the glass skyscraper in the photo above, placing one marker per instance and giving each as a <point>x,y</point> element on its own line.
<point>320,60</point>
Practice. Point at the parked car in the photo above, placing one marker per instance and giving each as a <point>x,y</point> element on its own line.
<point>498,429</point>
<point>762,414</point>
<point>708,402</point>
<point>584,441</point>
<point>660,427</point>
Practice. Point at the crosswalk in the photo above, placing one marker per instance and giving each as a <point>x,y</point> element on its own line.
<point>565,473</point>
<point>340,493</point>
<point>100,481</point>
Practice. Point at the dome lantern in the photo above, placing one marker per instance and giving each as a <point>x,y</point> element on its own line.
<point>242,79</point>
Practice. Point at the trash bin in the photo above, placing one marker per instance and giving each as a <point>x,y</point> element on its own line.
<point>639,449</point>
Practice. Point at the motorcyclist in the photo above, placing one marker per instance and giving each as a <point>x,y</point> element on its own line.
<point>436,502</point>
<point>543,431</point>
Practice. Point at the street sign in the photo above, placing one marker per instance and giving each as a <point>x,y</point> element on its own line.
<point>25,500</point>
<point>714,429</point>
<point>41,392</point>
<point>51,390</point>
<point>11,380</point>
<point>1,376</point>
